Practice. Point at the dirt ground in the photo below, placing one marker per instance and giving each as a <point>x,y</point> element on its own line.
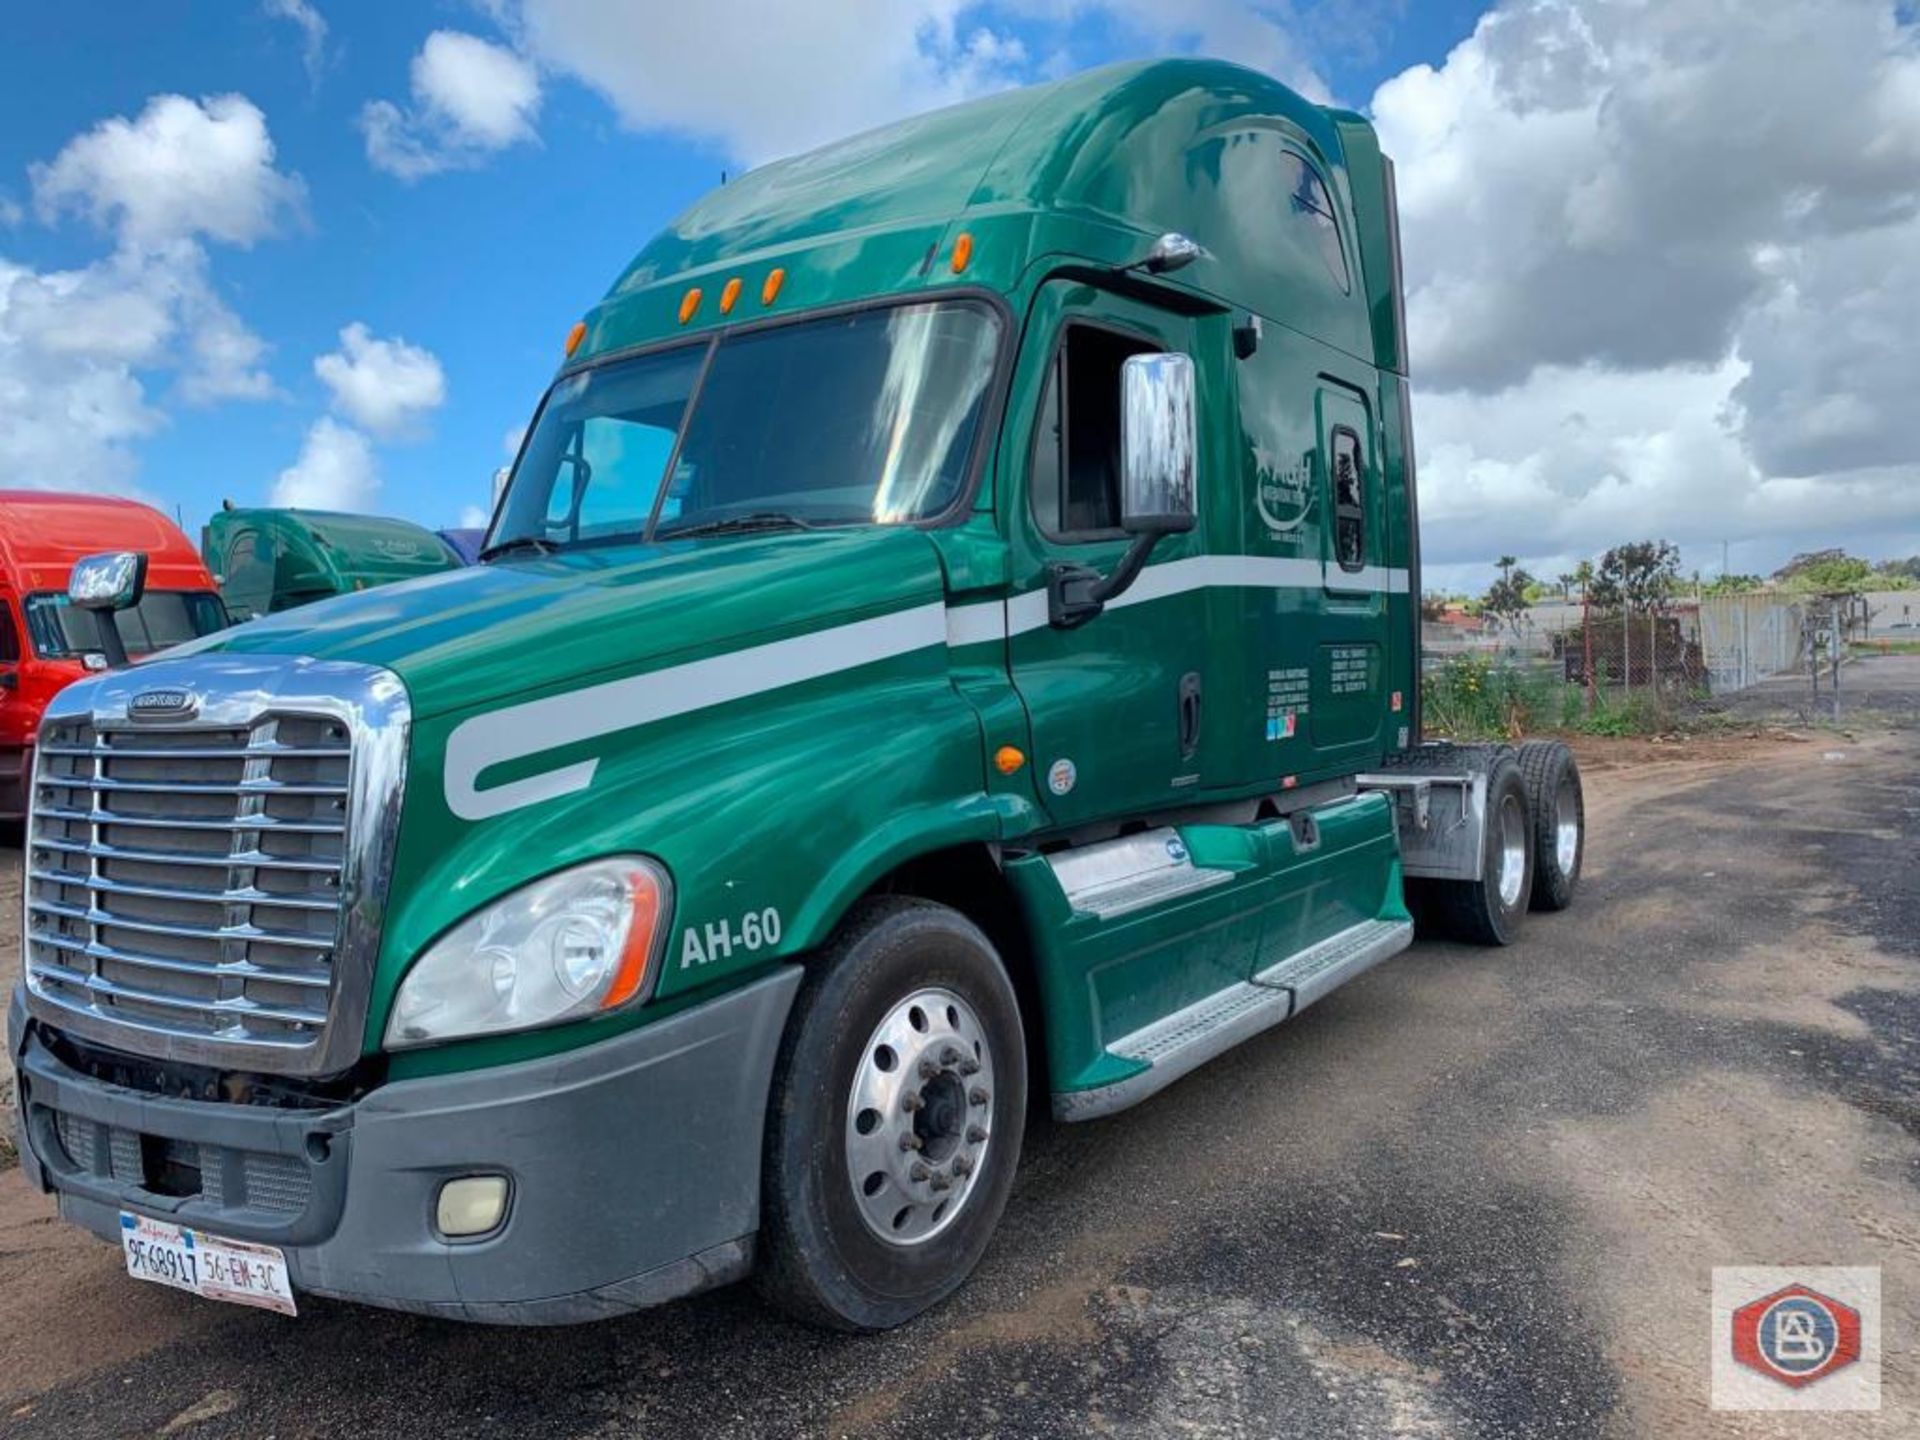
<point>1474,1194</point>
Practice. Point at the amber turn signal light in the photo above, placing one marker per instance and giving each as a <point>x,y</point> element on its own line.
<point>575,336</point>
<point>1007,759</point>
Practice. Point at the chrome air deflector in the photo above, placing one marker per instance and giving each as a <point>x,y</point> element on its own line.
<point>206,880</point>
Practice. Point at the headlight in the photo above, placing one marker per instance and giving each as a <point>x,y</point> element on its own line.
<point>573,944</point>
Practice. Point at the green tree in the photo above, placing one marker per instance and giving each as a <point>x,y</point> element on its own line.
<point>1731,585</point>
<point>1506,598</point>
<point>1642,576</point>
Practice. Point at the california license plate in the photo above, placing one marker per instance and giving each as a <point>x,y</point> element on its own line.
<point>236,1271</point>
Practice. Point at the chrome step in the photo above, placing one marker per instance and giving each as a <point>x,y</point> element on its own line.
<point>1187,1039</point>
<point>1135,872</point>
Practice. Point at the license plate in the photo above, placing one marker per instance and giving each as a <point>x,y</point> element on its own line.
<point>214,1268</point>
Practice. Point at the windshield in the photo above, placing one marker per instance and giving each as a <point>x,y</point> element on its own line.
<point>863,418</point>
<point>162,618</point>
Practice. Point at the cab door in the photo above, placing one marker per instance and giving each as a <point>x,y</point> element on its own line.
<point>1116,704</point>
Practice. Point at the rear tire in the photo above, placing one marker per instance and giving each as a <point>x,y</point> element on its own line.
<point>888,1160</point>
<point>1488,911</point>
<point>1559,809</point>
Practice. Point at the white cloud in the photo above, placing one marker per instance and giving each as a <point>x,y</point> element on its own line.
<point>335,471</point>
<point>765,78</point>
<point>80,348</point>
<point>313,32</point>
<point>183,169</point>
<point>473,517</point>
<point>68,416</point>
<point>385,386</point>
<point>471,98</point>
<point>1648,294</point>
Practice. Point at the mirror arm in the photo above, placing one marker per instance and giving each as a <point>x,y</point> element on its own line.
<point>1077,593</point>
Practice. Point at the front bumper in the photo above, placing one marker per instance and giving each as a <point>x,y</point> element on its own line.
<point>634,1167</point>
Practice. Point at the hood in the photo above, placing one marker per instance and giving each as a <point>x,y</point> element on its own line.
<point>520,627</point>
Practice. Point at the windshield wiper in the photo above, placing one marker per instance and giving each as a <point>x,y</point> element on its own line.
<point>727,524</point>
<point>519,542</point>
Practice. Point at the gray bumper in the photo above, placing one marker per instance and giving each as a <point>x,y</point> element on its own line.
<point>634,1167</point>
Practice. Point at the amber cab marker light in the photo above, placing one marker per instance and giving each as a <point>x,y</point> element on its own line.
<point>1007,759</point>
<point>575,336</point>
<point>776,277</point>
<point>689,303</point>
<point>962,252</point>
<point>728,295</point>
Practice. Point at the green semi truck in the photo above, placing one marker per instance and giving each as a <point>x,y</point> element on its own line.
<point>947,647</point>
<point>272,559</point>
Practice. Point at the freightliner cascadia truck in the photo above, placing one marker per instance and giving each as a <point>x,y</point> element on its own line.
<point>948,646</point>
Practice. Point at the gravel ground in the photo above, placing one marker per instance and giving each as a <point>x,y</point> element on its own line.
<point>1475,1194</point>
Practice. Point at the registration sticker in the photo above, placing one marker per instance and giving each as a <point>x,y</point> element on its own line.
<point>209,1266</point>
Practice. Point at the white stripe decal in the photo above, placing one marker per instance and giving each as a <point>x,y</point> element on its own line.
<point>518,731</point>
<point>527,729</point>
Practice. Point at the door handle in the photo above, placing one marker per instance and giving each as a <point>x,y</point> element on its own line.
<point>1189,714</point>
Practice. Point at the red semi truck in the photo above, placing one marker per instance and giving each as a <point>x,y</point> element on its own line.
<point>45,643</point>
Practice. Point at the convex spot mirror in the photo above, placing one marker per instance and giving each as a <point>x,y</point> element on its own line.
<point>1157,444</point>
<point>111,581</point>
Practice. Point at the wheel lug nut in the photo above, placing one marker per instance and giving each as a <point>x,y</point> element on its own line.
<point>962,1165</point>
<point>969,1067</point>
<point>949,1056</point>
<point>929,1067</point>
<point>940,1181</point>
<point>910,1141</point>
<point>975,1134</point>
<point>918,1172</point>
<point>978,1095</point>
<point>911,1102</point>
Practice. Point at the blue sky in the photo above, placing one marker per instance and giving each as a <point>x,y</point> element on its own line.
<point>539,142</point>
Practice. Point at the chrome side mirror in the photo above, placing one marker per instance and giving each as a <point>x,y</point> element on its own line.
<point>1157,435</point>
<point>111,581</point>
<point>106,584</point>
<point>1170,252</point>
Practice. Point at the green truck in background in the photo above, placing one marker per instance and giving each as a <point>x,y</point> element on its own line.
<point>270,559</point>
<point>949,641</point>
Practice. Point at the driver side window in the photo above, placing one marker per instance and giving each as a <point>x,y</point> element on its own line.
<point>1075,471</point>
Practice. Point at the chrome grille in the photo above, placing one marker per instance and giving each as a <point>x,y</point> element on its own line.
<point>188,879</point>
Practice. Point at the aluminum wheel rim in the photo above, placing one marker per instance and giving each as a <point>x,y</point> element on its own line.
<point>1566,826</point>
<point>919,1117</point>
<point>1513,850</point>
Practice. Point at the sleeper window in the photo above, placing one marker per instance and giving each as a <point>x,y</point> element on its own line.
<point>1076,452</point>
<point>1349,500</point>
<point>1310,216</point>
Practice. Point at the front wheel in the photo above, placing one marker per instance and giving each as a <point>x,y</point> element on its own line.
<point>898,1107</point>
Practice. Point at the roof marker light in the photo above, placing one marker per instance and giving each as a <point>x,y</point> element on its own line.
<point>689,303</point>
<point>962,251</point>
<point>776,277</point>
<point>730,294</point>
<point>575,336</point>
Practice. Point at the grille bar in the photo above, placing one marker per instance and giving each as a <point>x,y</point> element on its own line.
<point>247,859</point>
<point>240,752</point>
<point>218,933</point>
<point>238,1006</point>
<point>175,787</point>
<point>243,969</point>
<point>248,895</point>
<point>256,822</point>
<point>223,919</point>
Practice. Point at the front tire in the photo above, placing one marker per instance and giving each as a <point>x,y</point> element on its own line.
<point>899,1101</point>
